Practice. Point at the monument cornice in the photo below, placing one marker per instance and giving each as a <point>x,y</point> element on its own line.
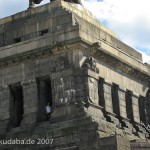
<point>38,52</point>
<point>97,51</point>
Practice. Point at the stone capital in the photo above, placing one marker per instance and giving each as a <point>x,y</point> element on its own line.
<point>107,82</point>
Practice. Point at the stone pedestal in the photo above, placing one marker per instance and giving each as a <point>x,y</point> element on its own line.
<point>30,94</point>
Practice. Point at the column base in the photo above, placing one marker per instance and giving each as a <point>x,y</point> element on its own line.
<point>140,131</point>
<point>111,117</point>
<point>126,123</point>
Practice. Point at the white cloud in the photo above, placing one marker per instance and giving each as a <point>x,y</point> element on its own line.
<point>130,19</point>
<point>146,57</point>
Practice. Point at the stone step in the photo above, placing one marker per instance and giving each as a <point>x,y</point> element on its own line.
<point>65,124</point>
<point>46,129</point>
<point>62,131</point>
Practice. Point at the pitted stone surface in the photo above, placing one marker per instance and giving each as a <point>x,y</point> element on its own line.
<point>59,53</point>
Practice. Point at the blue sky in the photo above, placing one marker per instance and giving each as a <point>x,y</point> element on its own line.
<point>129,19</point>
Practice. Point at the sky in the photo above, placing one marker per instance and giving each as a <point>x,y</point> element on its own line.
<point>129,19</point>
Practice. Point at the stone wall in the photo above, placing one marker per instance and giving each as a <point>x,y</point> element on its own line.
<point>96,90</point>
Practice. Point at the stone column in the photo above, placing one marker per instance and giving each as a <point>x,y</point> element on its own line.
<point>30,95</point>
<point>133,113</point>
<point>4,109</point>
<point>106,98</point>
<point>122,102</point>
<point>120,108</point>
<point>135,107</point>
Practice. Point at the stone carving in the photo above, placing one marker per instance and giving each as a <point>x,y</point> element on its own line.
<point>60,64</point>
<point>33,2</point>
<point>76,21</point>
<point>90,63</point>
<point>64,92</point>
<point>84,103</point>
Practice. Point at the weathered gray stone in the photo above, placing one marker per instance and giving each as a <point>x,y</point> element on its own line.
<point>58,53</point>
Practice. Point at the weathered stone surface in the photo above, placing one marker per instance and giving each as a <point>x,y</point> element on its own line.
<point>59,54</point>
<point>114,143</point>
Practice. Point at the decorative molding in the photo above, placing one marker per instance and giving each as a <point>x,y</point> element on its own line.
<point>38,53</point>
<point>108,82</point>
<point>122,88</point>
<point>134,94</point>
<point>95,51</point>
